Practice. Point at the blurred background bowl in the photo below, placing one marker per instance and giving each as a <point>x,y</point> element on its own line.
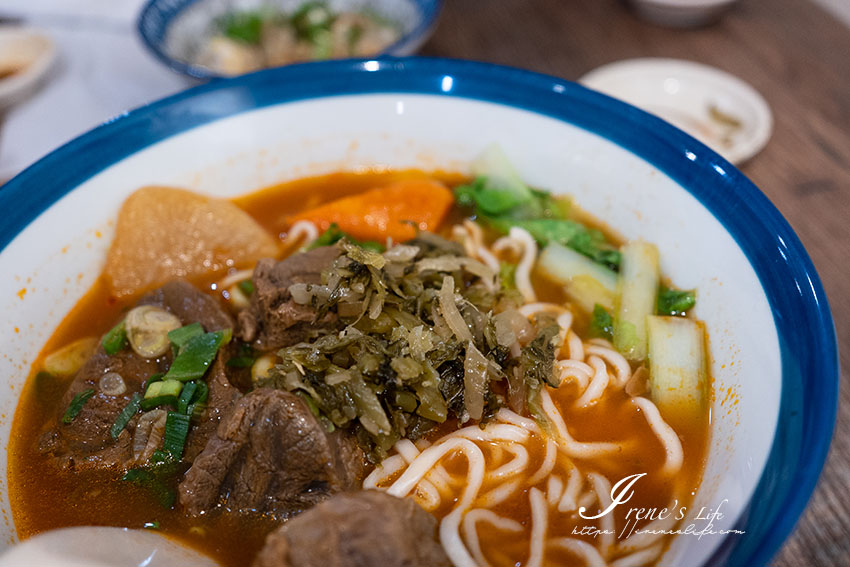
<point>175,31</point>
<point>25,57</point>
<point>681,13</point>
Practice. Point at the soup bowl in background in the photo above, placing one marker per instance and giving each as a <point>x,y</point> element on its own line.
<point>772,343</point>
<point>175,31</point>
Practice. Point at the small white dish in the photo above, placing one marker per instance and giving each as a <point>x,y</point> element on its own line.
<point>25,57</point>
<point>717,108</point>
<point>681,13</point>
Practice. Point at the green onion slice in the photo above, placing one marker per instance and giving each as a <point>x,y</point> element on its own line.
<point>196,355</point>
<point>179,337</point>
<point>186,396</point>
<point>126,415</point>
<point>115,340</point>
<point>176,430</point>
<point>76,405</point>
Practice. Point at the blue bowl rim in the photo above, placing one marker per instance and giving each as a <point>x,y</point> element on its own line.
<point>800,308</point>
<point>430,12</point>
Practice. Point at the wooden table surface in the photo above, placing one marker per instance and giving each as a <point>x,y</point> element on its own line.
<point>798,57</point>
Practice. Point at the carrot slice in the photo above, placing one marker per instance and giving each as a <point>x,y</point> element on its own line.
<point>386,211</point>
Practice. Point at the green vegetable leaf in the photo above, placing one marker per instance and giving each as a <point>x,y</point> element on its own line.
<point>311,19</point>
<point>674,301</point>
<point>115,340</point>
<point>76,405</point>
<point>601,323</point>
<point>334,234</point>
<point>245,27</point>
<point>489,199</point>
<point>569,233</point>
<point>196,355</point>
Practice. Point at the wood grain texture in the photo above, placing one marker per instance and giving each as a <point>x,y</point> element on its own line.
<point>798,57</point>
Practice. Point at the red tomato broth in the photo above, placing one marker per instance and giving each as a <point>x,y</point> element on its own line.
<point>44,497</point>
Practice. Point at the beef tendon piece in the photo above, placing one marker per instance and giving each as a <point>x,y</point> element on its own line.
<point>165,233</point>
<point>361,529</point>
<point>273,319</point>
<point>270,455</point>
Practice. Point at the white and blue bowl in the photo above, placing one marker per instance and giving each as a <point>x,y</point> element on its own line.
<point>773,347</point>
<point>174,31</point>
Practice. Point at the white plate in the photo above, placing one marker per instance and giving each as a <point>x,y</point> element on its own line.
<point>717,108</point>
<point>28,55</point>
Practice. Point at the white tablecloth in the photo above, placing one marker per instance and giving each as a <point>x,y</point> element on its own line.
<point>101,71</point>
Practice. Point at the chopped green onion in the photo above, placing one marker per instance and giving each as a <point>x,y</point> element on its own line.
<point>196,355</point>
<point>76,405</point>
<point>126,415</point>
<point>134,475</point>
<point>179,337</point>
<point>186,396</point>
<point>159,457</point>
<point>161,393</point>
<point>115,340</point>
<point>151,525</point>
<point>675,302</point>
<point>199,401</point>
<point>154,378</point>
<point>202,393</point>
<point>176,430</point>
<point>247,287</point>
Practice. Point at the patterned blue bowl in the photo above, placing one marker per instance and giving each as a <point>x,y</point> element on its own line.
<point>172,29</point>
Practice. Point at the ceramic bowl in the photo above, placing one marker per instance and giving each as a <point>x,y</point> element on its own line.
<point>174,30</point>
<point>681,13</point>
<point>26,56</point>
<point>716,107</point>
<point>773,348</point>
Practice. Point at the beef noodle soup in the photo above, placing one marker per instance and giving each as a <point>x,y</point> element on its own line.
<point>391,368</point>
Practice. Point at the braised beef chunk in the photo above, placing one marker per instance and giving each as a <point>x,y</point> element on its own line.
<point>190,305</point>
<point>86,442</point>
<point>362,529</point>
<point>271,455</point>
<point>273,320</point>
<point>221,397</point>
